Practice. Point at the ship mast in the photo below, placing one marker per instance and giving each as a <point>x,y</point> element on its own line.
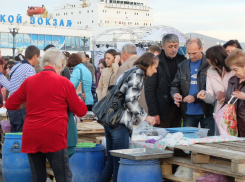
<point>84,3</point>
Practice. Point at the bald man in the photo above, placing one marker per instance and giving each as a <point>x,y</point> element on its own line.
<point>188,82</point>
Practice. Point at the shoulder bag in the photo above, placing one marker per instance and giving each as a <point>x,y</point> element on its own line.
<point>82,92</point>
<point>110,108</point>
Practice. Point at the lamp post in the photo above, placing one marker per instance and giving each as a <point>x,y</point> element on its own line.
<point>84,41</point>
<point>14,32</point>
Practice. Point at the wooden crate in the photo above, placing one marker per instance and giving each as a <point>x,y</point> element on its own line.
<point>50,173</point>
<point>89,127</point>
<point>227,158</point>
<point>90,138</point>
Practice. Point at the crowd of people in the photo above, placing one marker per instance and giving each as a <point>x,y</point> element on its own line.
<point>163,88</point>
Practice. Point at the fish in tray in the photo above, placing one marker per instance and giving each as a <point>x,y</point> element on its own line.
<point>141,154</point>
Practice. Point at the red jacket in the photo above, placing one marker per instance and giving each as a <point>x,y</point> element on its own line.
<point>48,97</point>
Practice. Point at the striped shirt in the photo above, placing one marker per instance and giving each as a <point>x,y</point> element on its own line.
<point>4,81</point>
<point>20,75</point>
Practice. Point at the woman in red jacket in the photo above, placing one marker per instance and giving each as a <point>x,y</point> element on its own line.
<point>47,96</point>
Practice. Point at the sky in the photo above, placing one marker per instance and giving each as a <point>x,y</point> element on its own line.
<point>222,19</point>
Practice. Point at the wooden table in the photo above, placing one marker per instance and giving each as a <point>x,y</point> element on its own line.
<point>227,158</point>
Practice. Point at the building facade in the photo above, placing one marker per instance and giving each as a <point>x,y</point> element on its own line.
<point>36,31</point>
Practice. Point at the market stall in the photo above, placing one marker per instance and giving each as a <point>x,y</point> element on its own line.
<point>222,156</point>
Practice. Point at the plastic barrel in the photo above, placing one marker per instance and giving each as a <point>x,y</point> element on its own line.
<point>143,171</point>
<point>15,165</point>
<point>87,164</point>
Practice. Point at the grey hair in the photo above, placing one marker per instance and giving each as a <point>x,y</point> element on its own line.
<point>169,38</point>
<point>82,56</point>
<point>196,40</point>
<point>129,48</point>
<point>53,57</point>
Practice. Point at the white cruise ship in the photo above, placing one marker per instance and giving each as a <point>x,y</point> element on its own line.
<point>106,13</point>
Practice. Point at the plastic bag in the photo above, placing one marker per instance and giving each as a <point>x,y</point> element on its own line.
<point>184,172</point>
<point>226,119</point>
<point>211,177</point>
<point>89,114</point>
<point>175,138</point>
<point>142,137</point>
<point>6,126</point>
<point>149,132</point>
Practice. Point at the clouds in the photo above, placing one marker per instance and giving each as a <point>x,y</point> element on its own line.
<point>223,19</point>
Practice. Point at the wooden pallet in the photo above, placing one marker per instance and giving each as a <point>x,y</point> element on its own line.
<point>50,173</point>
<point>227,158</point>
<point>89,127</point>
<point>90,138</point>
<point>2,134</point>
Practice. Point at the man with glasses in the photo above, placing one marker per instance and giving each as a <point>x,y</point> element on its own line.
<point>18,74</point>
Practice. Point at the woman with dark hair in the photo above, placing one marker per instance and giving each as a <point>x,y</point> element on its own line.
<point>108,74</point>
<point>231,45</point>
<point>81,75</point>
<point>218,76</point>
<point>102,65</point>
<point>118,137</point>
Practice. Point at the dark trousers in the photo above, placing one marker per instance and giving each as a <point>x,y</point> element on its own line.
<point>17,118</point>
<point>90,107</point>
<point>59,162</point>
<point>117,138</point>
<point>173,118</point>
<point>193,121</point>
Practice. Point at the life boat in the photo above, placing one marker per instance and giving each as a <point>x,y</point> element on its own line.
<point>35,10</point>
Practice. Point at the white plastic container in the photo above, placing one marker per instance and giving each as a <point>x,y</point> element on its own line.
<point>202,133</point>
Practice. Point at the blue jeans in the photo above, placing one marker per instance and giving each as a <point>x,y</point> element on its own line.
<point>193,121</point>
<point>117,138</point>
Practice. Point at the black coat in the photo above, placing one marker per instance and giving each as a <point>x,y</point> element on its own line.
<point>157,88</point>
<point>66,73</point>
<point>181,85</point>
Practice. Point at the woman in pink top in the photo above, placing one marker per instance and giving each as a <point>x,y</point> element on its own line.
<point>218,76</point>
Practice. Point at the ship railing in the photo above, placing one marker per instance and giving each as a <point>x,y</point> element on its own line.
<point>127,6</point>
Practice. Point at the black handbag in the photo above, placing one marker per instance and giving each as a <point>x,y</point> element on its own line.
<point>110,108</point>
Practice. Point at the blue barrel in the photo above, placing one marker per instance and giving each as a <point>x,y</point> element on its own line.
<point>87,164</point>
<point>143,171</point>
<point>15,165</point>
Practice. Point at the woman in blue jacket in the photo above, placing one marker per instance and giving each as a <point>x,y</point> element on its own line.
<point>81,74</point>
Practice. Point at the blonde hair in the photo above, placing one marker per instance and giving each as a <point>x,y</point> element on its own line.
<point>53,57</point>
<point>237,57</point>
<point>82,56</point>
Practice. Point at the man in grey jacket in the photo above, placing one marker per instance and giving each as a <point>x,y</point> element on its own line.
<point>129,56</point>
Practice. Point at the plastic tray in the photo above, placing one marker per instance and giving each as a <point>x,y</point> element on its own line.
<point>182,129</point>
<point>141,154</point>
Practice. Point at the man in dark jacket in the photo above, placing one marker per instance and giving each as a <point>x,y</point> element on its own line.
<point>157,87</point>
<point>189,81</point>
